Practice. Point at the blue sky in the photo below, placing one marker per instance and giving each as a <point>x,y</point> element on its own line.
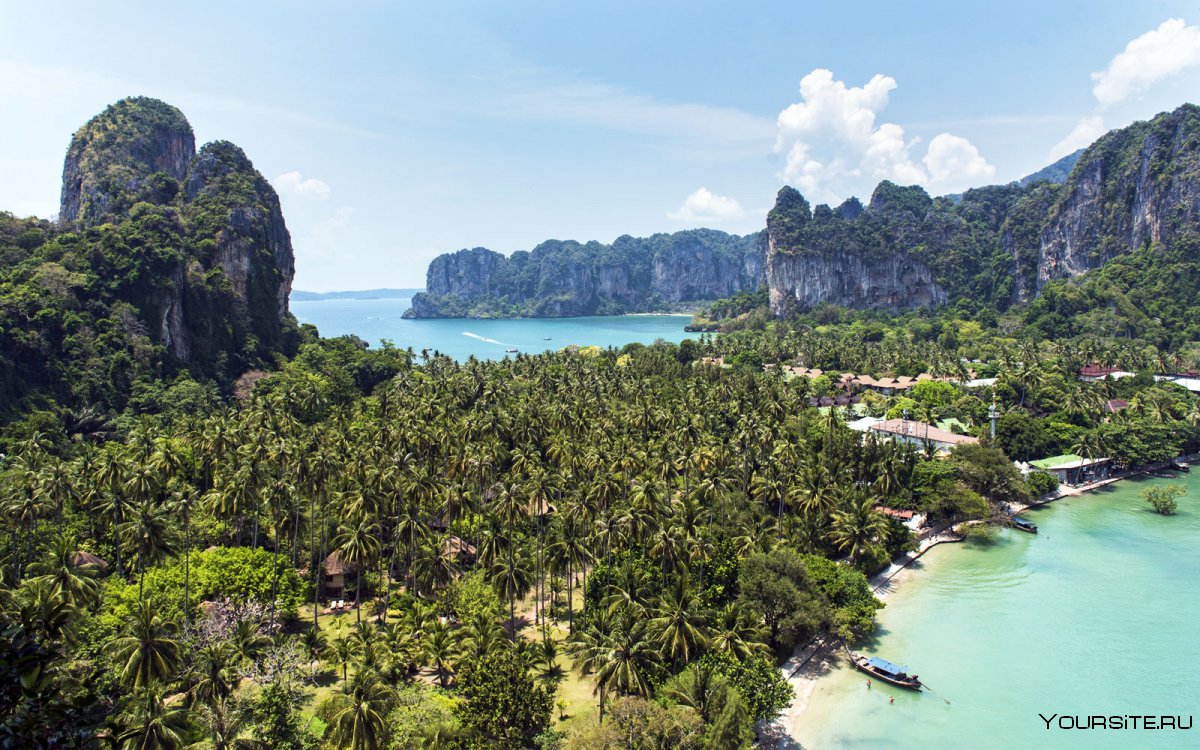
<point>397,131</point>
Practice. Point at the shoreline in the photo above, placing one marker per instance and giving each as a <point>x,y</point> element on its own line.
<point>820,656</point>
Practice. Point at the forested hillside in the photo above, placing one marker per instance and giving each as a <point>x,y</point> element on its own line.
<point>165,263</point>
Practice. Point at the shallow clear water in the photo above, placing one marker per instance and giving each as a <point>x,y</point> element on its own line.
<point>1097,614</point>
<point>378,319</point>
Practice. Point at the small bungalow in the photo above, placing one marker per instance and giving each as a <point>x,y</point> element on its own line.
<point>1114,405</point>
<point>920,433</point>
<point>461,552</point>
<point>338,574</point>
<point>81,558</point>
<point>1074,470</point>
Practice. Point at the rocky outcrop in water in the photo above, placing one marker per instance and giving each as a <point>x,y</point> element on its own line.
<point>561,279</point>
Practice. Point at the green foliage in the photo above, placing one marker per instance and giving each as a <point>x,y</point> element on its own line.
<point>776,585</point>
<point>240,574</point>
<point>763,690</point>
<point>1164,498</point>
<point>640,724</point>
<point>852,605</point>
<point>419,711</point>
<point>502,705</point>
<point>471,596</point>
<point>1041,483</point>
<point>278,725</point>
<point>990,473</point>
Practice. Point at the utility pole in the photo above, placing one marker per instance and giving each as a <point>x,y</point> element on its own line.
<point>993,415</point>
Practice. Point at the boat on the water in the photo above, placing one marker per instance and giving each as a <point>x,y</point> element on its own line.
<point>511,351</point>
<point>885,670</point>
<point>1180,466</point>
<point>545,338</point>
<point>1023,524</point>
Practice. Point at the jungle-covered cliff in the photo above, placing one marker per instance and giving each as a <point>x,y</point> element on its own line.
<point>1136,189</point>
<point>163,259</point>
<point>560,279</point>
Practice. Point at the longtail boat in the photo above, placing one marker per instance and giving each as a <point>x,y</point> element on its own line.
<point>885,670</point>
<point>1024,524</point>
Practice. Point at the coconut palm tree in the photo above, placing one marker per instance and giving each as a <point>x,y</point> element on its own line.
<point>212,678</point>
<point>149,535</point>
<point>858,528</point>
<point>147,652</point>
<point>360,721</point>
<point>512,578</point>
<point>441,650</point>
<point>148,723</point>
<point>358,543</point>
<point>76,584</point>
<point>680,625</point>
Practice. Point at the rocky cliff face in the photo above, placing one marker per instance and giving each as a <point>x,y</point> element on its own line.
<point>828,256</point>
<point>994,245</point>
<point>1134,186</point>
<point>810,280</point>
<point>227,276</point>
<point>111,159</point>
<point>560,279</point>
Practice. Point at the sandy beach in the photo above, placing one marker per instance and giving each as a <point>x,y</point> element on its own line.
<point>819,657</point>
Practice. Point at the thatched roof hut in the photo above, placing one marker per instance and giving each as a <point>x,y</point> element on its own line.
<point>542,507</point>
<point>439,522</point>
<point>456,549</point>
<point>335,565</point>
<point>82,557</point>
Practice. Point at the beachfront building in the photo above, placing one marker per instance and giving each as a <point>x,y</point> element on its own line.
<point>920,434</point>
<point>1074,470</point>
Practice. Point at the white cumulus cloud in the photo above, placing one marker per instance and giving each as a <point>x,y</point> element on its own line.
<point>1170,48</point>
<point>1086,131</point>
<point>704,206</point>
<point>952,158</point>
<point>294,183</point>
<point>834,146</point>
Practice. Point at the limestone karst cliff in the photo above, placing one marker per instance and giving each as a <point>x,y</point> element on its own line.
<point>558,279</point>
<point>996,245</point>
<point>223,265</point>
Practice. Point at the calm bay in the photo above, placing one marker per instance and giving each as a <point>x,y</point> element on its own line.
<point>1095,615</point>
<point>377,319</point>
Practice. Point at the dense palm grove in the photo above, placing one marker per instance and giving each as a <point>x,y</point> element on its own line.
<point>632,526</point>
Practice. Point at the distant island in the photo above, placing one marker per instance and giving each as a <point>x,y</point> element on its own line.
<point>299,295</point>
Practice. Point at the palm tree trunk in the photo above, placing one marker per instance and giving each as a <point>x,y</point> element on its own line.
<point>187,569</point>
<point>316,563</point>
<point>117,534</point>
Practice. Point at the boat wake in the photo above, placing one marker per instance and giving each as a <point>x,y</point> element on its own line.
<point>485,339</point>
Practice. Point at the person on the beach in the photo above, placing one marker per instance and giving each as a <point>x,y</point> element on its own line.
<point>892,699</point>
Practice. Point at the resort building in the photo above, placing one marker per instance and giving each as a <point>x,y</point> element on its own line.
<point>1074,470</point>
<point>921,434</point>
<point>1189,380</point>
<point>1094,373</point>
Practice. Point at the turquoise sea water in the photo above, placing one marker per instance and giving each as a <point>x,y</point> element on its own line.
<point>1097,614</point>
<point>375,320</point>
